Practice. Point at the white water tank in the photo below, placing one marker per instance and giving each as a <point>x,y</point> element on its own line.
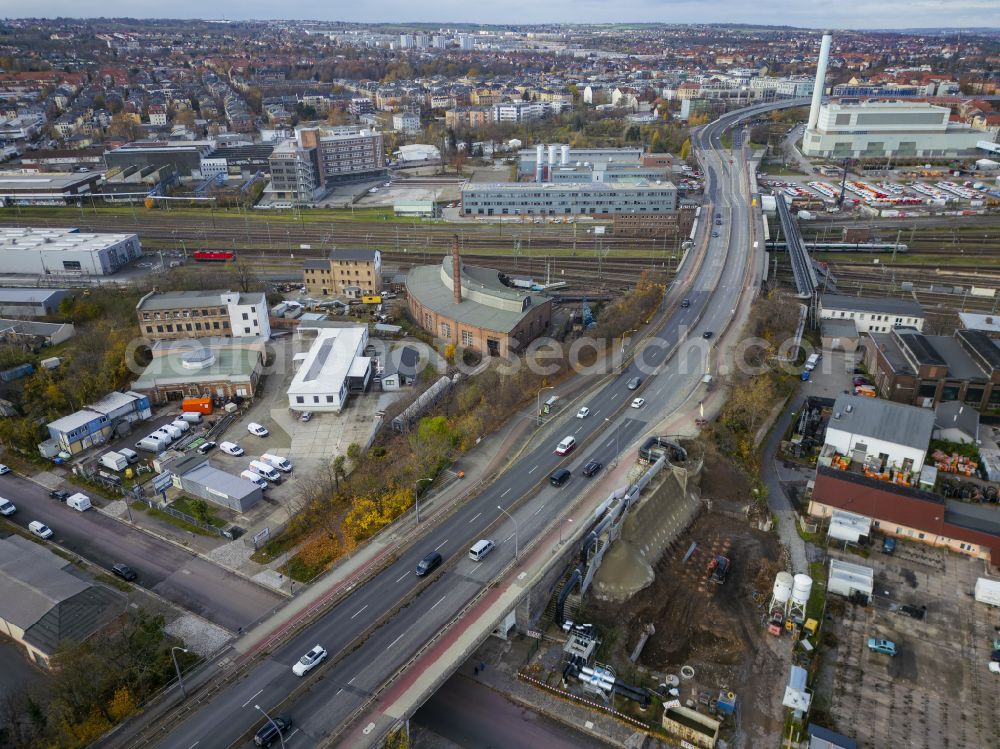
<point>801,588</point>
<point>782,587</point>
<point>553,154</point>
<point>539,154</point>
<point>564,160</point>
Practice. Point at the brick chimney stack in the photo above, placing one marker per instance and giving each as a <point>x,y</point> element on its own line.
<point>456,270</point>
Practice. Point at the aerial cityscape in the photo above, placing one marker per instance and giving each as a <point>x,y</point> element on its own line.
<point>603,379</point>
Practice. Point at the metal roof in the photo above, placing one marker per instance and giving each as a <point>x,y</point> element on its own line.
<point>883,420</point>
<point>220,481</point>
<point>36,296</point>
<point>235,365</point>
<point>354,254</point>
<point>182,299</point>
<point>329,361</point>
<point>880,305</point>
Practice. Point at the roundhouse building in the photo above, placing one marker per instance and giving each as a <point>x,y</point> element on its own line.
<point>480,312</point>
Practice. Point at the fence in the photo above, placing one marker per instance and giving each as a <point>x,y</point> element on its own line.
<point>190,519</point>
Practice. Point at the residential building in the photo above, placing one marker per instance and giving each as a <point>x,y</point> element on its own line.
<point>96,424</point>
<point>345,272</point>
<point>16,302</point>
<point>467,118</point>
<point>559,199</point>
<point>887,129</point>
<point>168,315</point>
<point>525,111</point>
<point>44,604</point>
<point>157,115</point>
<point>45,252</point>
<point>224,369</point>
<point>872,314</point>
<point>473,309</point>
<point>334,367</point>
<point>909,367</point>
<point>956,422</point>
<point>400,369</point>
<point>196,476</point>
<point>406,122</point>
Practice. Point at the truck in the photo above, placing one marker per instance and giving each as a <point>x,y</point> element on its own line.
<point>988,591</point>
<point>79,502</point>
<point>114,461</point>
<point>718,569</point>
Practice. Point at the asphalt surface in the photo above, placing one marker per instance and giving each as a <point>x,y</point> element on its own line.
<point>334,690</point>
<point>177,575</point>
<point>476,717</point>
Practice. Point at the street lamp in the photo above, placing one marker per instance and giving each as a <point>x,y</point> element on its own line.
<point>623,340</point>
<point>515,528</point>
<point>275,725</point>
<point>538,403</point>
<point>617,445</point>
<point>416,495</point>
<point>173,655</point>
<point>568,520</point>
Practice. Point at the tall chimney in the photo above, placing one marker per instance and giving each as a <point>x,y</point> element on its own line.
<point>456,270</point>
<point>824,58</point>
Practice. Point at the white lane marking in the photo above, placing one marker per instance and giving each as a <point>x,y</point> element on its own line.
<point>440,544</point>
<point>293,733</point>
<point>532,470</point>
<point>352,680</point>
<point>475,516</point>
<point>360,610</point>
<point>251,698</point>
<point>338,692</point>
<point>539,509</point>
<point>195,744</point>
<point>508,538</point>
<point>596,412</point>
<point>505,494</point>
<point>610,443</point>
<point>614,396</point>
<point>395,641</point>
<point>403,576</point>
<point>439,601</point>
<point>658,390</point>
<point>578,430</point>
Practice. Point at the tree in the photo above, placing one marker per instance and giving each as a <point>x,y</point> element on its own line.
<point>685,149</point>
<point>339,470</point>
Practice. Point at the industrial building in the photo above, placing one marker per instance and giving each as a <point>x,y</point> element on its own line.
<point>851,580</point>
<point>560,154</point>
<point>40,252</point>
<point>472,308</point>
<point>18,302</point>
<point>169,315</point>
<point>44,604</point>
<point>345,272</point>
<point>223,369</point>
<point>46,188</point>
<point>872,314</point>
<point>554,199</point>
<point>334,367</point>
<point>236,159</point>
<point>35,333</point>
<point>196,476</point>
<point>183,157</point>
<point>96,424</point>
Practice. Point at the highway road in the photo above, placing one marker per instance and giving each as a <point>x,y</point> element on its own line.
<point>474,716</point>
<point>409,610</point>
<point>177,575</point>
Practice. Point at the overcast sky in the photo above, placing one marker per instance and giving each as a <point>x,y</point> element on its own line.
<point>841,14</point>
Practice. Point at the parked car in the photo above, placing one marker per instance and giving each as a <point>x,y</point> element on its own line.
<point>715,233</point>
<point>40,529</point>
<point>583,413</point>
<point>633,383</point>
<point>888,546</point>
<point>995,656</point>
<point>59,495</point>
<point>885,647</point>
<point>206,447</point>
<point>309,661</point>
<point>305,416</point>
<point>231,447</point>
<point>123,571</point>
<point>638,402</point>
<point>4,469</point>
<point>271,731</point>
<point>7,507</point>
<point>995,667</point>
<point>257,429</point>
<point>592,467</point>
<point>428,564</point>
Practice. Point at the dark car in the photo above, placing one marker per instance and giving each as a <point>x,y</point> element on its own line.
<point>685,303</point>
<point>268,732</point>
<point>718,222</point>
<point>559,476</point>
<point>123,571</point>
<point>633,383</point>
<point>429,563</point>
<point>592,467</point>
<point>205,447</point>
<point>59,494</point>
<point>718,215</point>
<point>995,656</point>
<point>715,233</point>
<point>707,334</point>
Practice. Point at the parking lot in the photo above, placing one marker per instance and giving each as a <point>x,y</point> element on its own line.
<point>938,690</point>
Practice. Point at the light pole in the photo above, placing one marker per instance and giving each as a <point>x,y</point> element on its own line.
<point>173,655</point>
<point>538,403</point>
<point>269,720</point>
<point>416,495</point>
<point>515,528</point>
<point>568,520</point>
<point>617,446</point>
<point>623,340</point>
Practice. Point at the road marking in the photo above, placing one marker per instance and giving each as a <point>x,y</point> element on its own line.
<point>338,692</point>
<point>360,610</point>
<point>251,698</point>
<point>610,443</point>
<point>440,544</point>
<point>403,577</point>
<point>539,509</point>
<point>614,396</point>
<point>532,470</point>
<point>475,516</point>
<point>505,494</point>
<point>439,601</point>
<point>395,641</point>
<point>195,744</point>
<point>596,412</point>
<point>352,680</point>
<point>658,390</point>
<point>508,538</point>
<point>578,430</point>
<point>293,733</point>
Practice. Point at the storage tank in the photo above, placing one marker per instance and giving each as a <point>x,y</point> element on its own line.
<point>539,163</point>
<point>782,587</point>
<point>564,160</point>
<point>801,588</point>
<point>553,150</point>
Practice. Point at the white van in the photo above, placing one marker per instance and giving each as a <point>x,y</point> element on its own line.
<point>114,461</point>
<point>173,431</point>
<point>130,455</point>
<point>152,444</point>
<point>163,435</point>
<point>79,502</point>
<point>265,470</point>
<point>566,446</point>
<point>480,549</point>
<point>812,361</point>
<point>191,417</point>
<point>254,478</point>
<point>180,424</point>
<point>282,464</point>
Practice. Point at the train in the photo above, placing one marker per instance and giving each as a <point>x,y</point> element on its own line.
<point>213,256</point>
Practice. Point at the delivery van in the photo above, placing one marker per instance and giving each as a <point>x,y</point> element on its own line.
<point>173,431</point>
<point>79,502</point>
<point>480,549</point>
<point>812,361</point>
<point>130,455</point>
<point>151,444</point>
<point>191,417</point>
<point>180,424</point>
<point>282,464</point>
<point>114,461</point>
<point>254,478</point>
<point>266,470</point>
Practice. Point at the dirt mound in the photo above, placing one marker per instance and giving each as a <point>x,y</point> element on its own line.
<point>721,480</point>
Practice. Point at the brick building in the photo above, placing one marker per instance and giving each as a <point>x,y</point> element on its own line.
<point>347,272</point>
<point>170,315</point>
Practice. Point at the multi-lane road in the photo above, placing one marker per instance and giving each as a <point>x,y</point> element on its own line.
<point>380,625</point>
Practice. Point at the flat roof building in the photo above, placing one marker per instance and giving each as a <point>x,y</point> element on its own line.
<point>184,157</point>
<point>872,314</point>
<point>167,315</point>
<point>96,424</point>
<point>334,367</point>
<point>17,302</point>
<point>46,188</point>
<point>567,199</point>
<point>42,252</point>
<point>222,369</point>
<point>196,475</point>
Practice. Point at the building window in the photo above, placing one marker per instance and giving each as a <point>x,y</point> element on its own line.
<point>246,316</point>
<point>149,328</point>
<point>329,399</point>
<point>466,338</point>
<point>159,328</point>
<point>215,325</point>
<point>299,399</point>
<point>315,399</point>
<point>246,331</point>
<point>446,330</point>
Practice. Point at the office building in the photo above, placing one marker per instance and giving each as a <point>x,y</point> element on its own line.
<point>170,315</point>
<point>183,157</point>
<point>334,367</point>
<point>560,154</point>
<point>345,272</point>
<point>872,314</point>
<point>559,199</point>
<point>220,368</point>
<point>306,167</point>
<point>40,252</point>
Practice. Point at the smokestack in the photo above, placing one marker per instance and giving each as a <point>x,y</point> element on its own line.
<point>824,58</point>
<point>552,157</point>
<point>564,160</point>
<point>456,270</point>
<point>540,164</point>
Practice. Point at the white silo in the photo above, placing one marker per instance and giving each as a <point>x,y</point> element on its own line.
<point>553,155</point>
<point>539,163</point>
<point>820,84</point>
<point>564,160</point>
<point>801,589</point>
<point>781,592</point>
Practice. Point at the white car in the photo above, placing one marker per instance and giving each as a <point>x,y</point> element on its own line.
<point>40,529</point>
<point>583,413</point>
<point>995,667</point>
<point>638,402</point>
<point>231,447</point>
<point>6,507</point>
<point>257,429</point>
<point>4,469</point>
<point>374,189</point>
<point>309,661</point>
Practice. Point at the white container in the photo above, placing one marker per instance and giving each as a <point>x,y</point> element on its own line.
<point>51,363</point>
<point>282,464</point>
<point>79,502</point>
<point>151,444</point>
<point>191,417</point>
<point>173,431</point>
<point>254,478</point>
<point>163,435</point>
<point>265,470</point>
<point>114,461</point>
<point>180,424</point>
<point>988,591</point>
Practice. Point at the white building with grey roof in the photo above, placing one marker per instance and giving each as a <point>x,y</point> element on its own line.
<point>65,252</point>
<point>334,367</point>
<point>872,314</point>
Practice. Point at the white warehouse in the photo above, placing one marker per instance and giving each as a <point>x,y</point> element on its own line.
<point>34,251</point>
<point>333,368</point>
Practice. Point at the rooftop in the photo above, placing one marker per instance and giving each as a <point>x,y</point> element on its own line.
<point>880,305</point>
<point>160,300</point>
<point>532,187</point>
<point>355,254</point>
<point>29,296</point>
<point>227,483</point>
<point>839,328</point>
<point>16,239</point>
<point>231,364</point>
<point>883,420</point>
<point>329,360</point>
<point>54,181</point>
